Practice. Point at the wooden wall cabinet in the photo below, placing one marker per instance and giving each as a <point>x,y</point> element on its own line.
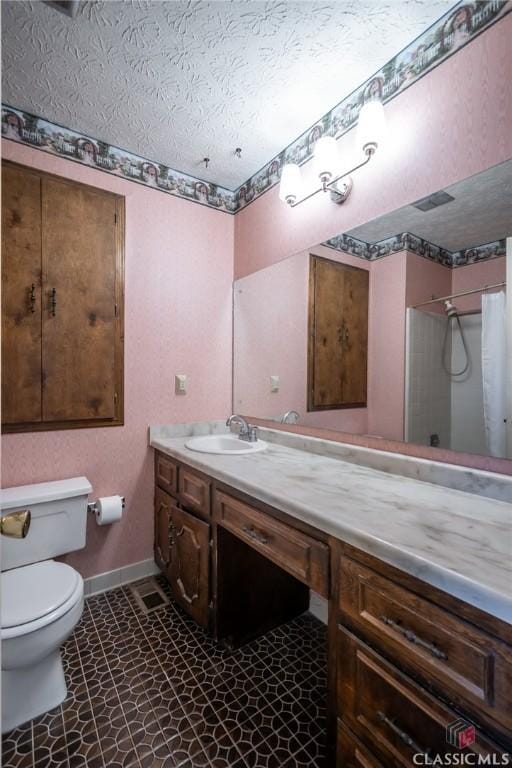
<point>62,309</point>
<point>337,335</point>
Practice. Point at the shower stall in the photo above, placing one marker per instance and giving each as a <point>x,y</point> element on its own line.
<point>456,373</point>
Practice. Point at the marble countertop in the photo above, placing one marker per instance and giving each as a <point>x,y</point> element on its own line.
<point>456,541</point>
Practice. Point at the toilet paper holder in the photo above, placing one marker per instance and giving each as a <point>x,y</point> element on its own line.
<point>92,506</point>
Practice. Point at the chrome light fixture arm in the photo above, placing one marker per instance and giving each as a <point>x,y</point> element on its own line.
<point>329,186</point>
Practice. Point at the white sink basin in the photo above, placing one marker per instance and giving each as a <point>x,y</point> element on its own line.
<point>227,444</point>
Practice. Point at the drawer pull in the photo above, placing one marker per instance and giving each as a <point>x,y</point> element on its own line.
<point>402,735</point>
<point>413,638</point>
<point>253,534</point>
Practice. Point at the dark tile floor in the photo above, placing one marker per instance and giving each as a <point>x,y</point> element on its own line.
<point>154,690</point>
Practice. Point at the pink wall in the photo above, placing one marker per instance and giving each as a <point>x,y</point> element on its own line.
<point>179,271</point>
<point>426,279</point>
<point>474,276</point>
<point>386,347</point>
<point>270,338</point>
<point>451,124</point>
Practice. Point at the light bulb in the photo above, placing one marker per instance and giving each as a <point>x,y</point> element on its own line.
<point>326,158</point>
<point>371,126</point>
<point>290,183</point>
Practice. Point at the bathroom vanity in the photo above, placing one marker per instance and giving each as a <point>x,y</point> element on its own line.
<point>416,575</point>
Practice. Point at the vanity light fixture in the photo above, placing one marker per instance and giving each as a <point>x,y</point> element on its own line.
<point>370,133</point>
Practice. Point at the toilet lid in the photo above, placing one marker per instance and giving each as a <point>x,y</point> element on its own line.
<point>32,591</point>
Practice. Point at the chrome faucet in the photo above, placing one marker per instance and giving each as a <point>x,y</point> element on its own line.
<point>247,431</point>
<point>290,417</point>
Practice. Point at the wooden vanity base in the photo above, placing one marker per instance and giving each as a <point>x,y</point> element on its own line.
<point>412,670</point>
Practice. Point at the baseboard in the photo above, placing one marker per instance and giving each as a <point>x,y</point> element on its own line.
<point>112,579</point>
<point>319,607</point>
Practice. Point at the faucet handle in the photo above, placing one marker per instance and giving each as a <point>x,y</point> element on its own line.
<point>253,433</point>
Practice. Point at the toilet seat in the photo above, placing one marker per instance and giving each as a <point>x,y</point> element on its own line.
<point>36,595</point>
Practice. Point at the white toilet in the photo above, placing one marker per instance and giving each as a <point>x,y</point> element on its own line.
<point>42,600</point>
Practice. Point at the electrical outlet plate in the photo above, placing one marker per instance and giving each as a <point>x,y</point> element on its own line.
<point>180,384</point>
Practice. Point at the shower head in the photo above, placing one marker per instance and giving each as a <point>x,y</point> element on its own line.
<point>450,309</point>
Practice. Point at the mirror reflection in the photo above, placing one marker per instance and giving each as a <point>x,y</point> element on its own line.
<point>395,329</point>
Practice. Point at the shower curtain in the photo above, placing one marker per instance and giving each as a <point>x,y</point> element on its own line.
<point>494,372</point>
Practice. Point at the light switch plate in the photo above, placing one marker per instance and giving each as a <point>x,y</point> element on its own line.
<point>180,384</point>
<point>274,383</point>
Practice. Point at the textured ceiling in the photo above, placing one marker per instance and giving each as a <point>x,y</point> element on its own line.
<point>480,213</point>
<point>177,81</point>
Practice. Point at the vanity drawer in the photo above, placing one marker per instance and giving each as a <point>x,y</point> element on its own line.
<point>166,473</point>
<point>460,661</point>
<point>194,491</point>
<point>392,715</point>
<point>297,553</point>
<point>350,753</point>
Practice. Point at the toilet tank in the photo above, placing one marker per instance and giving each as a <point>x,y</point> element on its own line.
<point>58,519</point>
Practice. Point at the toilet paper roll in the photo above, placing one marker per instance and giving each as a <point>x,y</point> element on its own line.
<point>109,509</point>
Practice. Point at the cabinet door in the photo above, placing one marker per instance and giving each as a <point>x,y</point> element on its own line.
<point>21,296</point>
<point>163,504</point>
<point>338,335</point>
<point>189,563</point>
<point>79,303</point>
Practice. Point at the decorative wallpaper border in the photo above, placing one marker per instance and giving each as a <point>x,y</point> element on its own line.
<point>406,241</point>
<point>39,133</point>
<point>445,37</point>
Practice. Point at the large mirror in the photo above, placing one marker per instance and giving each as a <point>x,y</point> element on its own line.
<point>396,329</point>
